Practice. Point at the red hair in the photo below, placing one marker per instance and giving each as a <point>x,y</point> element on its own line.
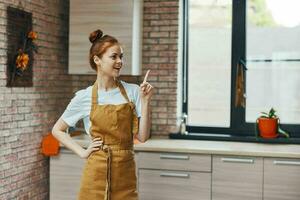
<point>100,44</point>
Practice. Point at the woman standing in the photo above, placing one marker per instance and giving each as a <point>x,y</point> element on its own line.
<point>113,112</point>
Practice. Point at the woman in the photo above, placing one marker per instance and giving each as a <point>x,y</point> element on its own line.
<point>114,112</point>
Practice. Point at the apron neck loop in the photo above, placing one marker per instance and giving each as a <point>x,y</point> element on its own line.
<point>95,92</point>
<point>122,89</point>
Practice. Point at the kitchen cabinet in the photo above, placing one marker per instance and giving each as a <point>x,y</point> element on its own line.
<point>237,178</point>
<point>173,176</point>
<point>65,174</point>
<point>196,170</point>
<point>173,185</point>
<point>281,179</point>
<point>174,161</point>
<point>119,18</point>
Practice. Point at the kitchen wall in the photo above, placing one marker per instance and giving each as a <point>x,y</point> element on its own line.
<point>28,113</point>
<point>160,55</point>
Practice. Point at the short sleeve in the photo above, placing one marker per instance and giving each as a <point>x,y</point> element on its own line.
<point>74,111</point>
<point>137,100</point>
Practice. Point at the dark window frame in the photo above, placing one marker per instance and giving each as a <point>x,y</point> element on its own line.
<point>238,126</point>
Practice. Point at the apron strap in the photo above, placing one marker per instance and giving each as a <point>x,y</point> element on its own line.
<point>123,91</point>
<point>95,93</point>
<point>108,152</point>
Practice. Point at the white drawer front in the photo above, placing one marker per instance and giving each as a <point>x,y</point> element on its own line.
<point>174,185</point>
<point>174,161</point>
<point>237,178</point>
<point>281,179</point>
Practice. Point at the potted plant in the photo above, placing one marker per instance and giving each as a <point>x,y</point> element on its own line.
<point>268,125</point>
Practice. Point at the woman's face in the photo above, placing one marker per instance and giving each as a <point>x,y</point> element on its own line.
<point>111,61</point>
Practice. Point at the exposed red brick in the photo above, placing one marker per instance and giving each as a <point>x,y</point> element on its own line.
<point>159,34</point>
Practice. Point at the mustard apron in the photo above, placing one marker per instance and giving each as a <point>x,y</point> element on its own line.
<point>109,174</point>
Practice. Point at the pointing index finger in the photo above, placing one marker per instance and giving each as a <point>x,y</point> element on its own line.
<point>146,76</point>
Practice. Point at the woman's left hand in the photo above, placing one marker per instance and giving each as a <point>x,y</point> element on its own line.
<point>146,89</point>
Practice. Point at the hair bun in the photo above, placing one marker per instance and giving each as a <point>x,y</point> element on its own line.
<point>95,35</point>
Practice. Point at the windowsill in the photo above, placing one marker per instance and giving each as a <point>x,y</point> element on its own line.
<point>226,137</point>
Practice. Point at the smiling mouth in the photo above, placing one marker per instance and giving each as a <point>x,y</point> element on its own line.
<point>117,68</point>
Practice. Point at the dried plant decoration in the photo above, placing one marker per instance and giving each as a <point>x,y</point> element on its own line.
<point>21,48</point>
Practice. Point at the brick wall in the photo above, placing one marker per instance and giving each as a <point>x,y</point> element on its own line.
<point>26,114</point>
<point>29,113</point>
<point>160,55</point>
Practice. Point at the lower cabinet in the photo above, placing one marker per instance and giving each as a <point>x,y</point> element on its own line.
<point>65,174</point>
<point>237,178</point>
<point>191,176</point>
<point>173,185</point>
<point>281,179</point>
<point>173,176</point>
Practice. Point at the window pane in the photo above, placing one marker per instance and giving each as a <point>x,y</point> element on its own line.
<point>273,59</point>
<point>209,70</point>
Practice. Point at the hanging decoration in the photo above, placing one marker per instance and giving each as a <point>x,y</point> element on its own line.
<point>21,47</point>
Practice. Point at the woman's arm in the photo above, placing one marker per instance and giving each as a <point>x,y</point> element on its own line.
<point>146,92</point>
<point>144,122</point>
<point>58,131</point>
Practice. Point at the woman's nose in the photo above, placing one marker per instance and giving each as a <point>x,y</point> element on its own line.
<point>119,60</point>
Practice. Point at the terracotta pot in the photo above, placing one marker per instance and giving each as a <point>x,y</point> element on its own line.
<point>268,127</point>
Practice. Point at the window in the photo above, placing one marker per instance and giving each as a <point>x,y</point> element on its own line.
<point>273,59</point>
<point>224,36</point>
<point>209,66</point>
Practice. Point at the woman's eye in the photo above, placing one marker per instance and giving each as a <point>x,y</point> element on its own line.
<point>115,57</point>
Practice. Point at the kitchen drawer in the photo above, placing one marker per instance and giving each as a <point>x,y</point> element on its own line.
<point>174,161</point>
<point>281,179</point>
<point>173,185</point>
<point>237,178</point>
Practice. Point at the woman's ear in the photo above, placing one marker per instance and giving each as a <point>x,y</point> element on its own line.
<point>97,60</point>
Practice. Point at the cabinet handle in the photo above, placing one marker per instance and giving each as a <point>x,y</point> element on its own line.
<point>238,160</point>
<point>286,162</point>
<point>175,157</point>
<point>177,175</point>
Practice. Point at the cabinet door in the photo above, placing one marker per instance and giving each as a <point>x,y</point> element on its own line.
<point>281,179</point>
<point>173,185</point>
<point>65,175</point>
<point>237,178</point>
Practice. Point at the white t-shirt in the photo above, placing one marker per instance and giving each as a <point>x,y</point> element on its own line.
<point>80,105</point>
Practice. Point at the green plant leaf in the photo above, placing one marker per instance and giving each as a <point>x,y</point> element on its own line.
<point>272,113</point>
<point>264,117</point>
<point>282,132</point>
<point>264,113</point>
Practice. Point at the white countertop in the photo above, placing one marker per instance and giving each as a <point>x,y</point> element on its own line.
<point>210,147</point>
<point>220,147</point>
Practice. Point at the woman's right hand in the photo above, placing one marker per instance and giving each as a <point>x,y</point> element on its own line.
<point>94,146</point>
